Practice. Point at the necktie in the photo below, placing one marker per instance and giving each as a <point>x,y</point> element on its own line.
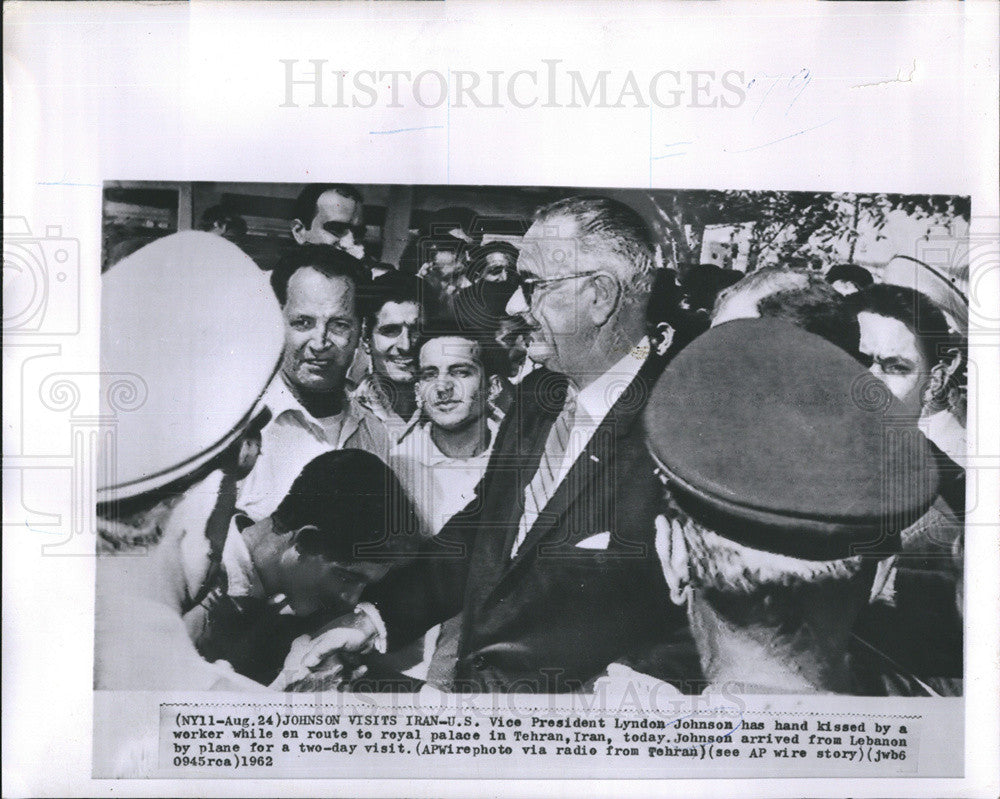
<point>543,485</point>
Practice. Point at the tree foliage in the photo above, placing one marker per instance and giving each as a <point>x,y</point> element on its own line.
<point>789,226</point>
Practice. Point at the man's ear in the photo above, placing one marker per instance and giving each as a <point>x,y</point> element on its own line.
<point>663,337</point>
<point>672,551</point>
<point>303,540</point>
<point>495,386</point>
<point>606,295</point>
<point>951,363</point>
<point>299,231</point>
<point>941,374</point>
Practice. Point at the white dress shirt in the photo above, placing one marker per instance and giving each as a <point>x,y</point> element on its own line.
<point>439,485</point>
<point>593,404</point>
<point>947,433</point>
<point>294,437</point>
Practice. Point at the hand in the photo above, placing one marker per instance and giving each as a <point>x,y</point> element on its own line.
<point>320,682</point>
<point>321,666</point>
<point>320,659</point>
<point>327,645</point>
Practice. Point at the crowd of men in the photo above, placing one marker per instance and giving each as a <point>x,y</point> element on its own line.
<point>536,469</point>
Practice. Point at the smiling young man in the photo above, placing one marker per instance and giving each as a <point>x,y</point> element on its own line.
<point>442,460</point>
<point>317,288</point>
<point>389,338</point>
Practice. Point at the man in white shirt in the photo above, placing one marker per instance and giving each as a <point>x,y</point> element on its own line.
<point>203,372</point>
<point>442,460</point>
<point>311,413</point>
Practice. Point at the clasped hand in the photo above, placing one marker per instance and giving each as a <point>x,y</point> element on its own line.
<point>327,659</point>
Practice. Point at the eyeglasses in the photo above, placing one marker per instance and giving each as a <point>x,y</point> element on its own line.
<point>340,229</point>
<point>530,284</point>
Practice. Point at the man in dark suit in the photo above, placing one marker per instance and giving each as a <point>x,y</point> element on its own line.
<point>553,567</point>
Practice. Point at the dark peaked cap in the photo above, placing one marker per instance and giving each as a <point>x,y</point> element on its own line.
<point>778,440</point>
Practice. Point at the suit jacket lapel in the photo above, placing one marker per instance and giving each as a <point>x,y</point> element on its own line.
<point>512,465</point>
<point>595,463</point>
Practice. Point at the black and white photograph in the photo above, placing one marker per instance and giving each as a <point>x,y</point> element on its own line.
<point>531,439</point>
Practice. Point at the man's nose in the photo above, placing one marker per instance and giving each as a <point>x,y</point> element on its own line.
<point>321,339</point>
<point>517,305</point>
<point>405,340</point>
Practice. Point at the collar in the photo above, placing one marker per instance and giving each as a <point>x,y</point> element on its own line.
<point>370,397</point>
<point>430,454</point>
<point>947,433</point>
<point>241,574</point>
<point>279,399</point>
<point>597,399</point>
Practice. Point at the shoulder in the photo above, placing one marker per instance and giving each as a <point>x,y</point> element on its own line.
<point>359,405</point>
<point>365,395</point>
<point>541,390</point>
<point>371,433</point>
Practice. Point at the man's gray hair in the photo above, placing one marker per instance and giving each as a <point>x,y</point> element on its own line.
<point>612,228</point>
<point>721,565</point>
<point>764,282</point>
